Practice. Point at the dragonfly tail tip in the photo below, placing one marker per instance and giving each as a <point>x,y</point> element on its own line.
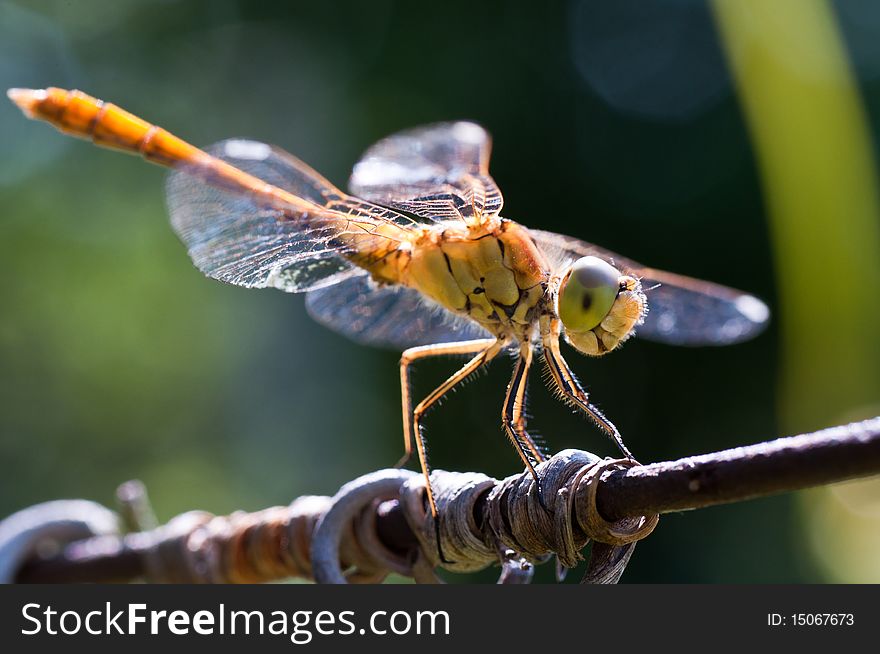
<point>26,99</point>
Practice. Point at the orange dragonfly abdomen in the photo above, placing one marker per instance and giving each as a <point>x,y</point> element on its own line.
<point>371,242</point>
<point>105,124</point>
<point>108,125</point>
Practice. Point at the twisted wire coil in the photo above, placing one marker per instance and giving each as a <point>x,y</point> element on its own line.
<point>482,522</point>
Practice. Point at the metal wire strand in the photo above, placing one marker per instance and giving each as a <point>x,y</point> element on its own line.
<point>337,540</point>
<point>380,523</point>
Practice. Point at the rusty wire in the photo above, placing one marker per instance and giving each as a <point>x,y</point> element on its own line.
<point>379,523</point>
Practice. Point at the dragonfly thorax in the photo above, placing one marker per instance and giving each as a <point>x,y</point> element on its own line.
<point>494,275</point>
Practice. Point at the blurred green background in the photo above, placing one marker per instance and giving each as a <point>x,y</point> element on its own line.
<point>619,123</point>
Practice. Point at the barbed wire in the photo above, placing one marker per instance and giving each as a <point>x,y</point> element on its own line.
<point>379,523</point>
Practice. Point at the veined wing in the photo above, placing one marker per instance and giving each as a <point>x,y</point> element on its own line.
<point>437,172</point>
<point>233,237</point>
<point>387,316</point>
<point>681,310</point>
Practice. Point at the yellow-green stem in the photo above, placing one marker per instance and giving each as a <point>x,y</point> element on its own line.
<point>813,146</point>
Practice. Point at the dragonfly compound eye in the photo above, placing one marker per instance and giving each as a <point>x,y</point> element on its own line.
<point>588,293</point>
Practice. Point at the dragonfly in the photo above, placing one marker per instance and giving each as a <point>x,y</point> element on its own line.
<point>416,257</point>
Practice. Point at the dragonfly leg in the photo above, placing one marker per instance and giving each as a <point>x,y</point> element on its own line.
<point>487,350</point>
<point>572,392</point>
<point>513,416</point>
<point>407,359</point>
<point>529,440</point>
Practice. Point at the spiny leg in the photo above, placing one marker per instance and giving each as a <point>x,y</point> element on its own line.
<point>488,350</point>
<point>513,416</point>
<point>530,440</point>
<point>412,355</point>
<point>573,393</point>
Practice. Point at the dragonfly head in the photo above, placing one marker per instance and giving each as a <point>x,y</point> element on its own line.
<point>599,306</point>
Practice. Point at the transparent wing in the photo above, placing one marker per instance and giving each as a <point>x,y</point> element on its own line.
<point>436,172</point>
<point>387,316</point>
<point>232,238</point>
<point>681,310</point>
